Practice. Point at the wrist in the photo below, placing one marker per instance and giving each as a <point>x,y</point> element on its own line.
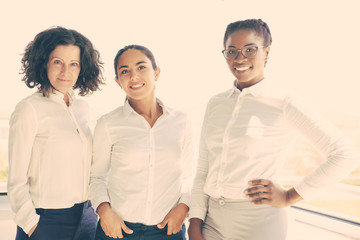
<point>103,208</point>
<point>292,197</point>
<point>183,207</point>
<point>195,224</point>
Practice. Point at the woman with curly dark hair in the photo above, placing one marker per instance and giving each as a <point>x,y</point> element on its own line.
<point>50,142</point>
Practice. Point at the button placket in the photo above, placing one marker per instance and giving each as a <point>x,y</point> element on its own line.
<point>151,176</point>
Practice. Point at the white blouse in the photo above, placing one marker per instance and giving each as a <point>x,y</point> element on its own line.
<point>142,171</point>
<point>49,155</point>
<point>243,136</point>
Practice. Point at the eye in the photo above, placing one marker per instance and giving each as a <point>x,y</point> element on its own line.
<point>57,61</point>
<point>125,71</point>
<point>251,49</point>
<point>141,67</point>
<point>75,64</point>
<point>231,52</point>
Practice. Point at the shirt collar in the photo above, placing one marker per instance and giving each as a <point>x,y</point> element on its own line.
<point>255,90</point>
<point>128,109</point>
<point>59,96</point>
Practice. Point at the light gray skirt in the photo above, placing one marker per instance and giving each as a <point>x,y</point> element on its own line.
<point>242,220</point>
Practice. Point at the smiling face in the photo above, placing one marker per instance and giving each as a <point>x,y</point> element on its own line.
<point>250,70</point>
<point>136,75</point>
<point>63,67</point>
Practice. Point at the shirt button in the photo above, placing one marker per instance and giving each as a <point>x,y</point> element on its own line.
<point>221,202</point>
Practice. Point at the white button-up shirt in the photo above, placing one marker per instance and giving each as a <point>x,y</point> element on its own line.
<point>243,136</point>
<point>49,155</point>
<point>142,171</point>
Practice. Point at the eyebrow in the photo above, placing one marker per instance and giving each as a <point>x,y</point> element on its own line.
<point>244,45</point>
<point>126,66</point>
<point>74,60</point>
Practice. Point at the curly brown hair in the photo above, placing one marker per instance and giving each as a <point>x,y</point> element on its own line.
<point>36,56</point>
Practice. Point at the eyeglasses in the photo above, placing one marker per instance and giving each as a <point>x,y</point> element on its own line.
<point>247,52</point>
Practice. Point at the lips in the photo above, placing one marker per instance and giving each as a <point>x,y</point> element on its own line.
<point>63,80</point>
<point>242,68</point>
<point>136,86</point>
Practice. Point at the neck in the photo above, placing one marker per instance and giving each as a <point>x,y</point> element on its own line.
<point>148,108</point>
<point>242,85</point>
<point>66,99</point>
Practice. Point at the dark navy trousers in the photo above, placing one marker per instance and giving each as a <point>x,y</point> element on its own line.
<point>75,223</point>
<point>143,232</point>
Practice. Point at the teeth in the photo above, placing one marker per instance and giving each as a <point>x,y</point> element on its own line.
<point>136,86</point>
<point>242,68</point>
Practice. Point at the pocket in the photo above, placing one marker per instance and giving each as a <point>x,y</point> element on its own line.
<point>35,234</point>
<point>100,234</point>
<point>176,236</point>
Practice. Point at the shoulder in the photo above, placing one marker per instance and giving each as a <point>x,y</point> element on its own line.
<point>176,112</point>
<point>81,103</point>
<point>219,99</point>
<point>113,115</point>
<point>220,96</point>
<point>30,102</point>
<point>27,107</point>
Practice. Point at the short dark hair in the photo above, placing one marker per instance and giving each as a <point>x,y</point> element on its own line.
<point>143,49</point>
<point>256,25</point>
<point>36,56</point>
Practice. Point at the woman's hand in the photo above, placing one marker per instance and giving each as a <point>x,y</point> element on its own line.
<point>174,219</point>
<point>264,191</point>
<point>111,223</point>
<point>194,230</point>
<point>32,230</point>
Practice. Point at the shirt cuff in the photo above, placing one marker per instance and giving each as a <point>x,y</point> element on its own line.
<point>197,213</point>
<point>306,191</point>
<point>96,202</point>
<point>185,198</point>
<point>26,216</point>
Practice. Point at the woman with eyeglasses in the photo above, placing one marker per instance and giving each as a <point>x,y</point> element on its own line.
<point>143,163</point>
<point>245,129</point>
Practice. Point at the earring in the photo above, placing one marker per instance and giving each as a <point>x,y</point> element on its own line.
<point>266,60</point>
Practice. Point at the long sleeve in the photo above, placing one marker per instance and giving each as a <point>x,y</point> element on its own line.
<point>100,165</point>
<point>188,165</point>
<point>341,157</point>
<point>199,199</point>
<point>23,128</point>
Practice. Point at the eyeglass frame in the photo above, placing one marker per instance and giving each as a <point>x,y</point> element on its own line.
<point>241,50</point>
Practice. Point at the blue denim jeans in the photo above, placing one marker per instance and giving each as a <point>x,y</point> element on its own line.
<point>75,223</point>
<point>143,232</point>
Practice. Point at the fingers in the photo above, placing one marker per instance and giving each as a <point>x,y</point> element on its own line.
<point>259,201</point>
<point>163,223</point>
<point>257,189</point>
<point>260,191</point>
<point>115,230</point>
<point>264,182</point>
<point>126,228</point>
<point>173,229</point>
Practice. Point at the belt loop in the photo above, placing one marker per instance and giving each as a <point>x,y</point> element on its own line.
<point>41,211</point>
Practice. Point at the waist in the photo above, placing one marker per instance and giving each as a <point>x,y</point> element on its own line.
<point>78,207</point>
<point>151,231</point>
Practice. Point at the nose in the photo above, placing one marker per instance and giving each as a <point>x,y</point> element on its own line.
<point>133,76</point>
<point>239,56</point>
<point>64,69</point>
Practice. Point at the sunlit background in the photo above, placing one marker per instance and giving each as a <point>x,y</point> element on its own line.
<point>315,52</point>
